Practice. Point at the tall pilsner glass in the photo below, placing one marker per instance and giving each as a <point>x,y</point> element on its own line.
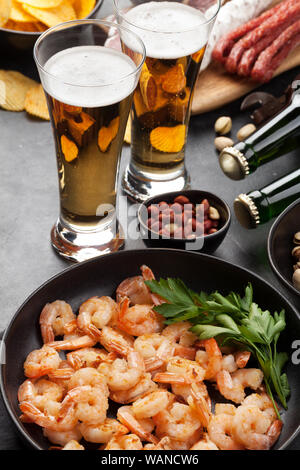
<point>89,87</point>
<point>175,34</point>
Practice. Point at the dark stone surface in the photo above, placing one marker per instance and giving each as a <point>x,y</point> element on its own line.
<point>29,204</point>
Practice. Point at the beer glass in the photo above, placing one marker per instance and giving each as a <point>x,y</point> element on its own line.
<point>175,34</point>
<point>89,84</point>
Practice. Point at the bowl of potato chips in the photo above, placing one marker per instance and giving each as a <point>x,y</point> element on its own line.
<point>22,21</point>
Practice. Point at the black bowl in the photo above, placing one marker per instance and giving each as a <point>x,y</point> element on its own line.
<point>280,244</point>
<point>207,244</point>
<point>101,276</point>
<point>20,42</point>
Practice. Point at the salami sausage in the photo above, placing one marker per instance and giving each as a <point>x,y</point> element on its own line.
<point>284,17</point>
<point>226,43</point>
<point>270,59</point>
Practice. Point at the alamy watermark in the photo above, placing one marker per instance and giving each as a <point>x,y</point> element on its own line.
<point>177,222</point>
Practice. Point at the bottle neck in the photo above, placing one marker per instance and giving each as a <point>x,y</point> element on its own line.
<point>277,137</point>
<point>271,200</point>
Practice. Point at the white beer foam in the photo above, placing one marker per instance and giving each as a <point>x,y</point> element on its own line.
<point>89,76</point>
<point>169,30</point>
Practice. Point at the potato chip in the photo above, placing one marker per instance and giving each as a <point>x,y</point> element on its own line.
<point>22,26</point>
<point>5,7</point>
<point>79,125</point>
<point>36,104</point>
<point>197,57</point>
<point>53,16</point>
<point>174,81</point>
<point>41,3</point>
<point>19,15</point>
<point>15,90</point>
<point>69,148</point>
<point>107,134</point>
<point>168,139</point>
<point>83,7</point>
<point>148,88</point>
<point>127,137</point>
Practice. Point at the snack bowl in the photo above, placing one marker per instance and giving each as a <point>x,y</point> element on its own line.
<point>203,243</point>
<point>20,42</point>
<point>280,244</point>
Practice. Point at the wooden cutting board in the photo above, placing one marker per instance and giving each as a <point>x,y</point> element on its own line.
<point>215,87</point>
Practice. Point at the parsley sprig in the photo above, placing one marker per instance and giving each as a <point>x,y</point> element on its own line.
<point>233,319</point>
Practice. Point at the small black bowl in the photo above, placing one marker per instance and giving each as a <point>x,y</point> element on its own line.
<point>209,242</point>
<point>280,244</point>
<point>20,42</point>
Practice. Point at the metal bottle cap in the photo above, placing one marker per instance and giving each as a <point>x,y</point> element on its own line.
<point>233,163</point>
<point>246,211</point>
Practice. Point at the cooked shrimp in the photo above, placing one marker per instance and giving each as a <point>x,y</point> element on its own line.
<point>164,444</point>
<point>144,386</point>
<point>104,432</point>
<point>87,357</point>
<point>204,444</point>
<point>252,428</point>
<point>230,362</point>
<point>242,358</point>
<point>128,442</point>
<point>53,319</point>
<point>199,403</point>
<point>73,445</point>
<point>151,404</point>
<point>225,408</point>
<point>181,371</point>
<point>40,392</point>
<point>214,354</point>
<point>126,416</point>
<point>136,290</point>
<point>73,341</point>
<point>67,423</point>
<point>187,443</point>
<point>91,404</point>
<point>88,376</point>
<point>62,438</point>
<point>179,333</point>
<point>92,401</point>
<point>221,432</point>
<point>233,386</point>
<point>263,402</point>
<point>123,374</point>
<point>155,350</point>
<point>96,313</point>
<point>148,275</point>
<point>138,319</point>
<point>41,362</point>
<point>115,340</point>
<point>178,421</point>
<point>62,375</point>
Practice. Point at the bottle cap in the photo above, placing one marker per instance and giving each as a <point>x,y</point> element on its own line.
<point>233,163</point>
<point>246,211</point>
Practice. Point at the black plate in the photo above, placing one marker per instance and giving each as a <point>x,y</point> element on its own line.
<point>101,276</point>
<point>280,244</point>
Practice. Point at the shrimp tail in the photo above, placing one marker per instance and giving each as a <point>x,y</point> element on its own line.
<point>274,431</point>
<point>171,378</point>
<point>148,275</point>
<point>126,418</point>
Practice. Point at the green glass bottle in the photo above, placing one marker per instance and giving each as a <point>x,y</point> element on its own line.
<point>259,206</point>
<point>279,136</point>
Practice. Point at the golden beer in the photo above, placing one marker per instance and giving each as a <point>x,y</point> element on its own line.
<point>175,35</point>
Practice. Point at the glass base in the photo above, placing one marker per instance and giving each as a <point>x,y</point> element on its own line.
<point>82,245</point>
<point>139,188</point>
